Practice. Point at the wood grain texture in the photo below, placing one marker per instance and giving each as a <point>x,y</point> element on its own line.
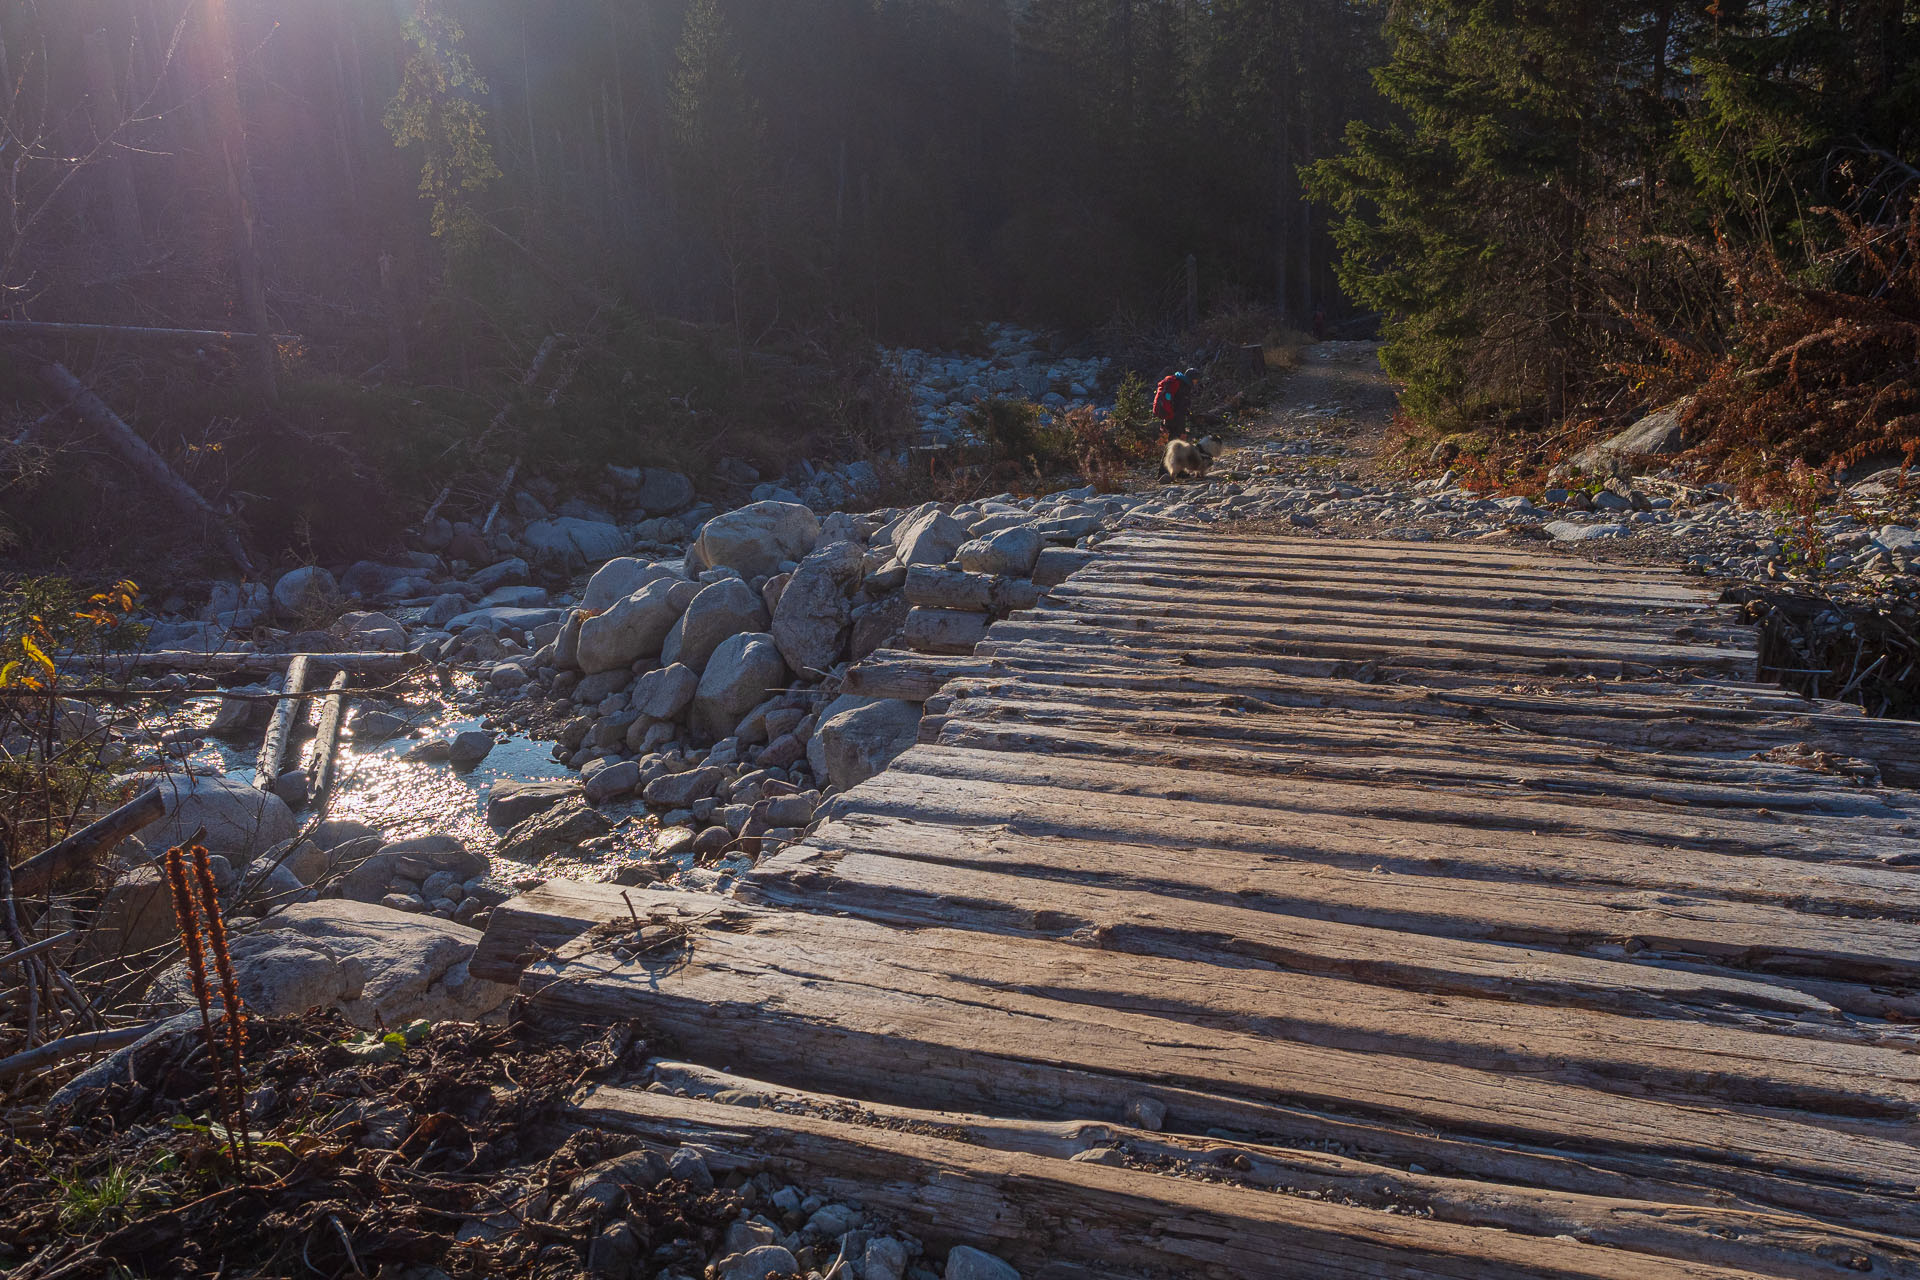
<point>1481,880</point>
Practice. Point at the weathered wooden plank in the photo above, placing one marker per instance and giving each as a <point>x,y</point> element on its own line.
<point>1269,701</point>
<point>1641,780</point>
<point>1772,1243</point>
<point>1718,626</point>
<point>870,872</point>
<point>1045,1214</point>
<point>950,1018</point>
<point>1410,828</point>
<point>1149,594</point>
<point>1233,908</point>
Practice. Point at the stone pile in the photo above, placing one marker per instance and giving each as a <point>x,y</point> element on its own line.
<point>944,385</point>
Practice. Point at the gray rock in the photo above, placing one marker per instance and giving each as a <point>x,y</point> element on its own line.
<point>469,748</point>
<point>377,726</point>
<point>240,821</point>
<point>928,537</point>
<point>1658,433</point>
<point>1568,531</point>
<point>505,573</point>
<point>570,543</point>
<point>1056,563</point>
<point>366,879</point>
<point>511,803</point>
<point>633,628</point>
<point>665,693</point>
<point>305,590</point>
<point>662,492</point>
<point>720,610</point>
<point>613,781</point>
<point>135,915</point>
<point>885,1258</point>
<point>619,578</point>
<point>267,886</point>
<point>372,631</point>
<point>1896,537</point>
<point>444,609</point>
<point>967,1263</point>
<point>678,790</point>
<point>375,964</point>
<point>758,1263</point>
<point>293,787</point>
<point>515,598</point>
<point>877,625</point>
<point>811,625</point>
<point>861,741</point>
<point>559,829</point>
<point>596,688</point>
<point>1011,551</point>
<point>742,673</point>
<point>757,537</point>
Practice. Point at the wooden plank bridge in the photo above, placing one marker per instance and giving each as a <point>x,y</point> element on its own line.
<point>1291,907</point>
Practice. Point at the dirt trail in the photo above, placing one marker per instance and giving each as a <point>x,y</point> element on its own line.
<point>1335,405</point>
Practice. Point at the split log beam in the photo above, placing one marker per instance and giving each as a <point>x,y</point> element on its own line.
<point>326,743</point>
<point>273,748</point>
<point>375,665</point>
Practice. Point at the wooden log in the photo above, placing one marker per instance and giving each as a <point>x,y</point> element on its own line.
<point>934,587</point>
<point>374,665</point>
<point>1769,1243</point>
<point>140,456</point>
<point>326,743</point>
<point>1162,909</point>
<point>500,495</point>
<point>88,845</point>
<point>273,748</point>
<point>943,630</point>
<point>145,333</point>
<point>74,1046</point>
<point>1160,800</point>
<point>1051,1216</point>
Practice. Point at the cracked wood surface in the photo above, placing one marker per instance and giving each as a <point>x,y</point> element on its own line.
<point>1483,875</point>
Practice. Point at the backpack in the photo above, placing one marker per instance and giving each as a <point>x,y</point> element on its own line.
<point>1163,396</point>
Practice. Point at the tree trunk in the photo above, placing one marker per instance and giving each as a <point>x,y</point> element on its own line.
<point>103,102</point>
<point>230,137</point>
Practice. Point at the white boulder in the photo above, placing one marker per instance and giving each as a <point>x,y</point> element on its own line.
<point>570,542</point>
<point>240,820</point>
<point>1011,551</point>
<point>619,578</point>
<point>377,965</point>
<point>929,536</point>
<point>305,590</point>
<point>742,673</point>
<point>722,609</point>
<point>815,612</point>
<point>633,628</point>
<point>861,741</point>
<point>755,538</point>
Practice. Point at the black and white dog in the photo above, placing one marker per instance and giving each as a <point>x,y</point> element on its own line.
<point>1189,457</point>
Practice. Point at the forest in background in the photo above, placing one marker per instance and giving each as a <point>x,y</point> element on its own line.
<point>1576,211</point>
<point>725,202</point>
<point>1565,213</point>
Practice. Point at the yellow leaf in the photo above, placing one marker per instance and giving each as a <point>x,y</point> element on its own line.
<point>7,674</point>
<point>34,651</point>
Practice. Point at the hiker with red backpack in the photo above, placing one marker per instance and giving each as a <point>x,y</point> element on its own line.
<point>1173,402</point>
